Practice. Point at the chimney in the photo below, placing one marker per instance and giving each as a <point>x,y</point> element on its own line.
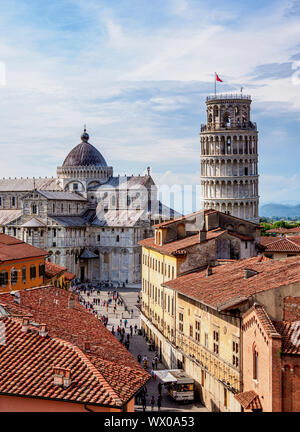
<point>25,325</point>
<point>209,271</point>
<point>62,376</point>
<point>203,235</point>
<point>43,330</point>
<point>71,301</point>
<point>248,273</point>
<point>87,347</point>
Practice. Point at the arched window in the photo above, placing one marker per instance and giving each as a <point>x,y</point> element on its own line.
<point>117,238</point>
<point>255,364</point>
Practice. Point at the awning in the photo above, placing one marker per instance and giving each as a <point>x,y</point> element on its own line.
<point>86,254</point>
<point>165,376</point>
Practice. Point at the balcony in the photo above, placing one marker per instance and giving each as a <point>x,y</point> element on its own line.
<point>212,127</point>
<point>228,96</point>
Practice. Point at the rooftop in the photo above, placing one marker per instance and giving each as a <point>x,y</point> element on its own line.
<point>77,326</point>
<point>180,245</point>
<point>226,287</point>
<point>281,244</point>
<point>228,96</point>
<point>13,249</point>
<point>52,269</point>
<point>27,361</point>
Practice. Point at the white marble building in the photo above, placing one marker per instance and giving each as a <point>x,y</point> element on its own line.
<point>229,174</point>
<point>88,220</point>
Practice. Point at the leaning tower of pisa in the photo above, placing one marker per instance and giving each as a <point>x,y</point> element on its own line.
<point>229,178</point>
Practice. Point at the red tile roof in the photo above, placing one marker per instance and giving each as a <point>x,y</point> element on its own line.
<point>27,361</point>
<point>12,249</point>
<point>284,230</point>
<point>249,400</point>
<point>69,276</point>
<point>283,244</point>
<point>180,245</point>
<point>264,319</point>
<point>226,287</point>
<point>182,218</point>
<point>52,269</point>
<point>77,326</point>
<point>290,332</point>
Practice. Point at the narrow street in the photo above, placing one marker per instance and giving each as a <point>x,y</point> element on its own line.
<point>138,345</point>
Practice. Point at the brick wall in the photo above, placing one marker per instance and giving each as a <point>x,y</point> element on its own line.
<point>291,309</point>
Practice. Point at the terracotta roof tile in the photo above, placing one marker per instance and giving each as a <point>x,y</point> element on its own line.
<point>52,269</point>
<point>248,400</point>
<point>180,245</point>
<point>284,244</point>
<point>290,332</point>
<point>27,362</point>
<point>264,319</point>
<point>182,218</point>
<point>12,248</point>
<point>77,326</point>
<point>226,287</point>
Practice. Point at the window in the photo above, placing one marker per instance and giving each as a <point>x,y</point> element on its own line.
<point>54,232</point>
<point>41,270</point>
<point>98,238</point>
<point>53,208</point>
<point>42,233</point>
<point>255,364</point>
<point>202,377</point>
<point>235,351</point>
<point>24,274</point>
<point>32,272</point>
<point>15,231</point>
<point>75,186</point>
<point>191,331</point>
<point>13,201</point>
<point>62,208</point>
<point>246,245</point>
<point>3,278</point>
<point>34,208</point>
<point>118,239</point>
<point>0,201</point>
<point>197,331</point>
<point>181,322</point>
<point>225,398</point>
<point>216,341</point>
<point>14,276</point>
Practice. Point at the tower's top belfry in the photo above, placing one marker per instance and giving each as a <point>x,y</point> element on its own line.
<point>229,175</point>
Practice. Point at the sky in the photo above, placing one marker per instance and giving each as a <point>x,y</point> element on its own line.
<point>137,72</point>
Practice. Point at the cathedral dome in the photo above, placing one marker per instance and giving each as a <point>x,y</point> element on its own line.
<point>84,154</point>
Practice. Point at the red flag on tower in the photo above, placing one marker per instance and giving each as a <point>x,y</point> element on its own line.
<point>218,79</point>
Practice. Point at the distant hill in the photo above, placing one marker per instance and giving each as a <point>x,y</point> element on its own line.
<point>279,210</point>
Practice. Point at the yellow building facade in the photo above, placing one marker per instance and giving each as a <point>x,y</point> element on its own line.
<point>208,345</point>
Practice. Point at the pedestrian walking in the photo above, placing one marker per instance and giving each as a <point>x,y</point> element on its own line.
<point>139,358</point>
<point>131,330</point>
<point>113,330</point>
<point>159,402</point>
<point>159,388</point>
<point>156,361</point>
<point>135,329</point>
<point>144,403</point>
<point>125,322</point>
<point>152,402</point>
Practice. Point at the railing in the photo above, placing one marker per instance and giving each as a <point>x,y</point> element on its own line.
<point>228,96</point>
<point>212,127</point>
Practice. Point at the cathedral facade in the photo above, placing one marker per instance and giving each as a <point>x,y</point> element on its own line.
<point>89,220</point>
